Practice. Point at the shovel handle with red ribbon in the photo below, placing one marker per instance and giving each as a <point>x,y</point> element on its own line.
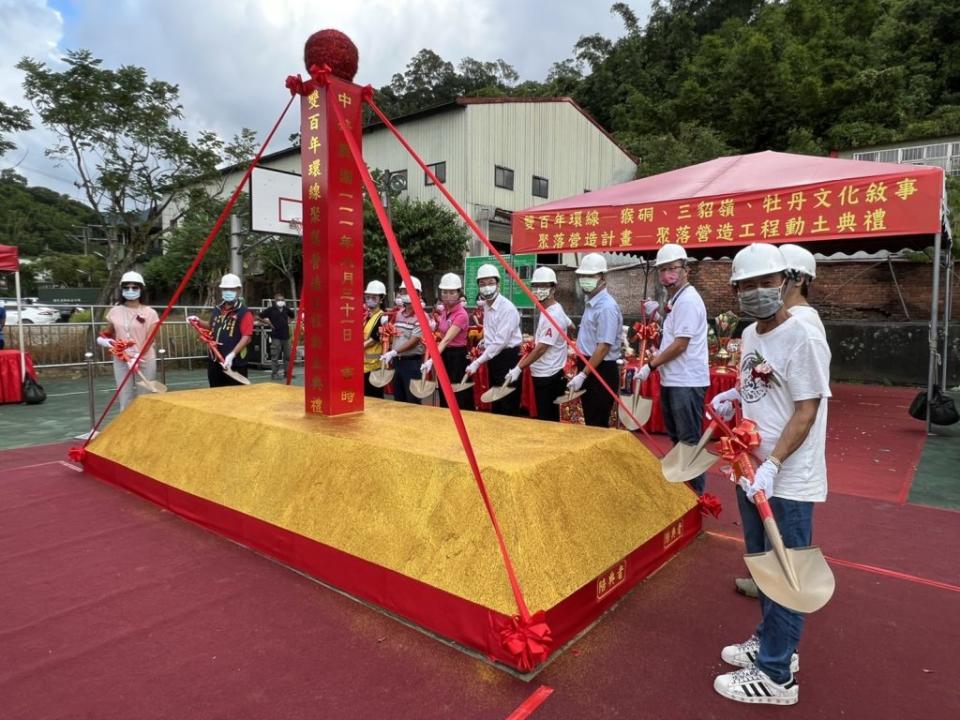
<point>118,348</point>
<point>207,338</point>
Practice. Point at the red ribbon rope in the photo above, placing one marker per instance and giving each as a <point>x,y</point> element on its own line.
<point>368,98</point>
<point>441,371</point>
<point>194,265</point>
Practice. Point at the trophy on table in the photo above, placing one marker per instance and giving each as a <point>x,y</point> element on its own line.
<point>726,324</point>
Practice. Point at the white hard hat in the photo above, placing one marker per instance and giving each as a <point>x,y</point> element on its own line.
<point>375,287</point>
<point>487,271</point>
<point>799,259</point>
<point>132,277</point>
<point>544,275</point>
<point>230,281</point>
<point>451,281</point>
<point>592,264</point>
<point>757,260</point>
<point>671,252</point>
<point>416,284</point>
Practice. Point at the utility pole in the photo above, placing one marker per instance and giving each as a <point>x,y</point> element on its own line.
<point>397,182</point>
<point>236,256</point>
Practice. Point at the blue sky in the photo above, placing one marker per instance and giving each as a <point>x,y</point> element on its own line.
<point>230,57</point>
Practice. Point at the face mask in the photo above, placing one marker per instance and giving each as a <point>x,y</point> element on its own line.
<point>450,300</point>
<point>131,294</point>
<point>761,303</point>
<point>588,285</point>
<point>488,291</point>
<point>669,278</point>
<point>280,303</point>
<point>371,303</point>
<point>404,299</point>
<point>229,295</point>
<point>541,293</point>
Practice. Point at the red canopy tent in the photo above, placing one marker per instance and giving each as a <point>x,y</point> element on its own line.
<point>10,262</point>
<point>763,197</point>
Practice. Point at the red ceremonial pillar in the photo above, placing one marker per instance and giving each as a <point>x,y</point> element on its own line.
<point>332,249</point>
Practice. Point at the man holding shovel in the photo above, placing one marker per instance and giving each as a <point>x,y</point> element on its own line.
<point>231,326</point>
<point>683,360</point>
<point>784,386</point>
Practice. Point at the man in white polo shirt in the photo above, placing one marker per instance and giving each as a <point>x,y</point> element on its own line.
<point>683,360</point>
<point>549,356</point>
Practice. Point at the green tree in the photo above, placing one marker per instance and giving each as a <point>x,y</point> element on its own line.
<point>70,270</point>
<point>117,129</point>
<point>12,119</point>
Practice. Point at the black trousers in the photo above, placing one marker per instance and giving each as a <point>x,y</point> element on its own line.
<point>499,366</point>
<point>370,390</point>
<point>596,400</point>
<point>455,361</point>
<point>218,378</point>
<point>546,390</point>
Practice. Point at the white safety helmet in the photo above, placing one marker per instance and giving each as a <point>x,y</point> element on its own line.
<point>757,260</point>
<point>671,252</point>
<point>487,271</point>
<point>416,284</point>
<point>799,259</point>
<point>132,277</point>
<point>592,264</point>
<point>543,275</point>
<point>230,281</point>
<point>451,281</point>
<point>375,287</point>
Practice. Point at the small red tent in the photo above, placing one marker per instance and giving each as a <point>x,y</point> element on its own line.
<point>828,204</point>
<point>10,262</point>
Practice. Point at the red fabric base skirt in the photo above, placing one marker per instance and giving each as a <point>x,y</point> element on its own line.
<point>462,621</point>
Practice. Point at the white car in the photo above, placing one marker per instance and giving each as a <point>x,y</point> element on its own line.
<point>32,314</point>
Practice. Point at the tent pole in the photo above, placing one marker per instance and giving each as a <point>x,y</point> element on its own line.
<point>947,302</point>
<point>23,362</point>
<point>934,316</point>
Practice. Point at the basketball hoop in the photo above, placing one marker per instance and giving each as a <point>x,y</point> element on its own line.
<point>296,226</point>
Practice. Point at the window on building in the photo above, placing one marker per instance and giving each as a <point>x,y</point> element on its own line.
<point>911,153</point>
<point>440,170</point>
<point>503,177</point>
<point>541,187</point>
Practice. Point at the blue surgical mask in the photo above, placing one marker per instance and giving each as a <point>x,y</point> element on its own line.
<point>229,295</point>
<point>131,294</point>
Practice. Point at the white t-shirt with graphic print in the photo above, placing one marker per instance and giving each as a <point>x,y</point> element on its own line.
<point>779,367</point>
<point>555,357</point>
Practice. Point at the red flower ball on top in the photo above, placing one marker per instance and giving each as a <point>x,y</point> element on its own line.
<point>334,49</point>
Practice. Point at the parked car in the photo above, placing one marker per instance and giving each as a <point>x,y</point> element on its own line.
<point>32,314</point>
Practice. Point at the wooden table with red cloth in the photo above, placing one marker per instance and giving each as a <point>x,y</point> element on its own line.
<point>721,379</point>
<point>11,384</point>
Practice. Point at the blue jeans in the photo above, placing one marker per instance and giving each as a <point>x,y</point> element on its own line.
<point>779,629</point>
<point>682,409</point>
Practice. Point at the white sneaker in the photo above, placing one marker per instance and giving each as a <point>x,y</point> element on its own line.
<point>745,654</point>
<point>751,685</point>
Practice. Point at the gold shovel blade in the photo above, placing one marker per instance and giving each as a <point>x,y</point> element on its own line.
<point>568,397</point>
<point>421,388</point>
<point>496,393</point>
<point>237,376</point>
<point>641,408</point>
<point>814,579</point>
<point>685,462</point>
<point>381,377</point>
<point>153,386</point>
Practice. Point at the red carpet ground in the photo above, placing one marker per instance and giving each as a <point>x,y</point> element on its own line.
<point>114,609</point>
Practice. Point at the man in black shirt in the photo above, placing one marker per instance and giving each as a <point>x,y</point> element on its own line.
<point>278,317</point>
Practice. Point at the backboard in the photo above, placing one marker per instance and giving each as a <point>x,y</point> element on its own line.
<point>275,201</point>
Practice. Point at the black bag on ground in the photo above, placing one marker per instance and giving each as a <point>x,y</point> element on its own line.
<point>943,411</point>
<point>33,393</point>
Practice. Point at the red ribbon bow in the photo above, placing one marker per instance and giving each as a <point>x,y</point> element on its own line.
<point>77,453</point>
<point>648,331</point>
<point>743,438</point>
<point>118,348</point>
<point>388,332</point>
<point>529,641</point>
<point>295,85</point>
<point>709,505</point>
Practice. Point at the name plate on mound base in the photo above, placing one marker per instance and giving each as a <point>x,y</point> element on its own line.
<point>382,504</point>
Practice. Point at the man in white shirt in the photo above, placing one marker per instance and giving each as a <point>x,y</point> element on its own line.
<point>801,272</point>
<point>549,356</point>
<point>599,341</point>
<point>784,386</point>
<point>683,360</point>
<point>501,338</point>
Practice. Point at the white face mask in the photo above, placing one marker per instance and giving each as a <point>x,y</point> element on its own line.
<point>280,303</point>
<point>131,294</point>
<point>488,291</point>
<point>229,295</point>
<point>371,303</point>
<point>541,293</point>
<point>589,284</point>
<point>404,299</point>
<point>761,303</point>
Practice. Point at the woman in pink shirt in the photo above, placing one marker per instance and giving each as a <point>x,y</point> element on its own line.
<point>131,320</point>
<point>452,326</point>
